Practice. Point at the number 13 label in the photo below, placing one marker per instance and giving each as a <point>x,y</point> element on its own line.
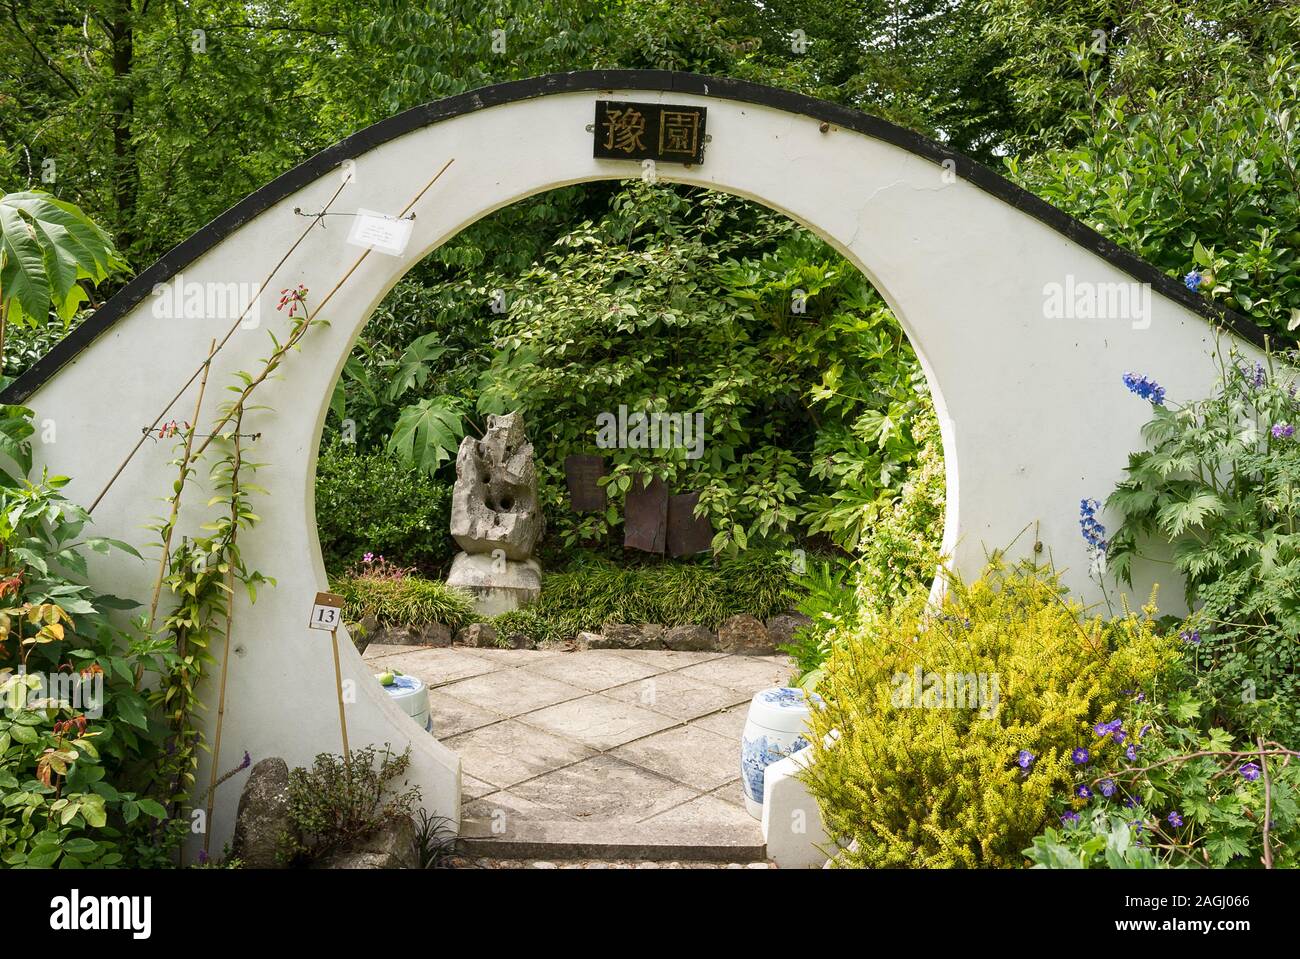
<point>327,612</point>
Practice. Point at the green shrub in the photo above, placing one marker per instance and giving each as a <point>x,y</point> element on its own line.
<point>71,757</point>
<point>899,558</point>
<point>1191,791</point>
<point>395,597</point>
<point>595,592</point>
<point>1221,485</point>
<point>830,603</point>
<point>333,804</point>
<point>1190,185</point>
<point>1103,839</point>
<point>938,784</point>
<point>371,503</point>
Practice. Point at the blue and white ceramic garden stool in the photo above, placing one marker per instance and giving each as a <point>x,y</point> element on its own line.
<point>411,696</point>
<point>777,726</point>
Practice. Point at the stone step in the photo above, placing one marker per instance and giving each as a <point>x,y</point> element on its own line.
<point>540,839</point>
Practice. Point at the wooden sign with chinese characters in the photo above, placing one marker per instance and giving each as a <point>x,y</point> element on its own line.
<point>649,131</point>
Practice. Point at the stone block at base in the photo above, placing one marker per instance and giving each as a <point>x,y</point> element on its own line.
<point>497,585</point>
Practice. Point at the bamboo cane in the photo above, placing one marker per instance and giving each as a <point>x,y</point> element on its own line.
<point>230,620</point>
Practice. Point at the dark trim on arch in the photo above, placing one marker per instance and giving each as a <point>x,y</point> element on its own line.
<point>723,88</point>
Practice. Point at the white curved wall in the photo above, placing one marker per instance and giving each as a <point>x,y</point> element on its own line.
<point>1034,414</point>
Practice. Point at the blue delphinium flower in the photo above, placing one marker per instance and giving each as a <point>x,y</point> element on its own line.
<point>1107,787</point>
<point>1080,756</point>
<point>1175,820</point>
<point>1193,280</point>
<point>1083,792</point>
<point>1250,771</point>
<point>1025,759</point>
<point>1146,388</point>
<point>1094,534</point>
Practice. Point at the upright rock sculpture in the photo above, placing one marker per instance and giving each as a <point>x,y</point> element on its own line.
<point>496,519</point>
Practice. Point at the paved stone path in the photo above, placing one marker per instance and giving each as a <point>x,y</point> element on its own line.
<point>638,745</point>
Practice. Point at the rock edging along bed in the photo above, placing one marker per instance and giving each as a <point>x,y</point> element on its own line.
<point>743,633</point>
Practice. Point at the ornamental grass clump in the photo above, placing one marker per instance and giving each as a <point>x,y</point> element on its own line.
<point>399,597</point>
<point>954,725</point>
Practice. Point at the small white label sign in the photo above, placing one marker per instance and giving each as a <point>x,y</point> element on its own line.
<point>380,232</point>
<point>327,612</point>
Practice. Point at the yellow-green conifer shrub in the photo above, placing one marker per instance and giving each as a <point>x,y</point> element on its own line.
<point>929,773</point>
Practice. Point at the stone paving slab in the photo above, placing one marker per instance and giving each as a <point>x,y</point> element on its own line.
<point>438,666</point>
<point>651,842</point>
<point>504,810</point>
<point>665,659</point>
<point>511,657</point>
<point>506,693</point>
<point>509,752</point>
<point>604,789</point>
<point>746,673</point>
<point>452,716</point>
<point>689,755</point>
<point>380,650</point>
<point>678,696</point>
<point>471,788</point>
<point>593,670</point>
<point>486,863</point>
<point>706,810</point>
<point>597,721</point>
<point>725,722</point>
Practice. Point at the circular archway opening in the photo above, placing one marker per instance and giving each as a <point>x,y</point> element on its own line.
<point>643,332</point>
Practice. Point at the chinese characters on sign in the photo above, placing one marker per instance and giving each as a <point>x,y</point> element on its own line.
<point>649,131</point>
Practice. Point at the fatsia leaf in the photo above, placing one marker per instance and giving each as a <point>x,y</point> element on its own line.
<point>428,432</point>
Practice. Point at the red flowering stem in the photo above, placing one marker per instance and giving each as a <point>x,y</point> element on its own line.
<point>235,463</point>
<point>176,507</point>
<point>195,375</point>
<point>273,361</point>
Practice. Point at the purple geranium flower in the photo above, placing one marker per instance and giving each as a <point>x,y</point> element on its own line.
<point>1069,816</point>
<point>1175,820</point>
<point>1083,792</point>
<point>1107,787</point>
<point>1131,752</point>
<point>1250,771</point>
<point>1283,431</point>
<point>1080,756</point>
<point>1025,759</point>
<point>1192,636</point>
